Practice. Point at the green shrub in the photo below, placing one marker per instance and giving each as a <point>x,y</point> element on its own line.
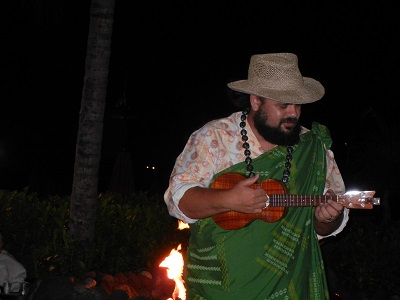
<point>132,233</point>
<point>364,257</point>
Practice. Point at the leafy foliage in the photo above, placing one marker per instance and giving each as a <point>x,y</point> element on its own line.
<point>136,232</point>
<point>365,257</point>
<point>132,233</point>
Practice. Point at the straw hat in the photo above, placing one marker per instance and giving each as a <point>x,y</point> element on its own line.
<point>277,76</point>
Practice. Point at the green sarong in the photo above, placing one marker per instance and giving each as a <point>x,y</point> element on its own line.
<point>265,260</point>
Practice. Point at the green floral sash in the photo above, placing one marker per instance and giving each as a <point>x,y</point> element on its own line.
<point>279,260</point>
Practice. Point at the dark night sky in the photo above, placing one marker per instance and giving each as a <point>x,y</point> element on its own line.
<point>171,63</point>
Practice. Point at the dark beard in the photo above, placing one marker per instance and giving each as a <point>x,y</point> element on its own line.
<point>275,135</point>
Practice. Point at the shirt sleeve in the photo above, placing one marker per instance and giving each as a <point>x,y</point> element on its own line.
<point>334,181</point>
<point>194,167</point>
<point>210,149</point>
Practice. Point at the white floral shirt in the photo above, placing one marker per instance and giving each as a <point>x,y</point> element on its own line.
<point>216,146</point>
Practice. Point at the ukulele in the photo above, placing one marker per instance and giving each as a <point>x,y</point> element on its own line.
<point>278,200</point>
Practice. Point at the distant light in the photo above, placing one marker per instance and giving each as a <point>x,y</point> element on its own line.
<point>148,167</point>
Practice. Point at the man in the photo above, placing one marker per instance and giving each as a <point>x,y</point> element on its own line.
<point>11,270</point>
<point>241,245</point>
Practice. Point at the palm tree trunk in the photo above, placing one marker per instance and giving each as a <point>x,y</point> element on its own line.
<point>84,197</point>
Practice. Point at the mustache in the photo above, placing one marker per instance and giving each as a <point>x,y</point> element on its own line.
<point>291,120</point>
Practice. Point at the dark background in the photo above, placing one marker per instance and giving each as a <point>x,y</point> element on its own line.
<point>170,63</point>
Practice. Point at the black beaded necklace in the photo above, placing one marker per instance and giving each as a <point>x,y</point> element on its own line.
<point>246,146</point>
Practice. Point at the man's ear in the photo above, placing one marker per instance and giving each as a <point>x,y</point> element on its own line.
<point>255,102</point>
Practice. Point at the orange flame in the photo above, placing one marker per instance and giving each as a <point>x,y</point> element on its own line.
<point>174,265</point>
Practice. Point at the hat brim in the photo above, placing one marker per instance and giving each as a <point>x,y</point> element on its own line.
<point>311,91</point>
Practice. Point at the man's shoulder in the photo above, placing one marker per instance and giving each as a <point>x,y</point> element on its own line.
<point>304,130</point>
<point>4,255</point>
<point>226,127</point>
<point>231,121</point>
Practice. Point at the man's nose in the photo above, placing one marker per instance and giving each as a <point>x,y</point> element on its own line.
<point>293,111</point>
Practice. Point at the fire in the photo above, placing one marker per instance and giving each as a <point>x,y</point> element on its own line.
<point>174,265</point>
<point>182,225</point>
